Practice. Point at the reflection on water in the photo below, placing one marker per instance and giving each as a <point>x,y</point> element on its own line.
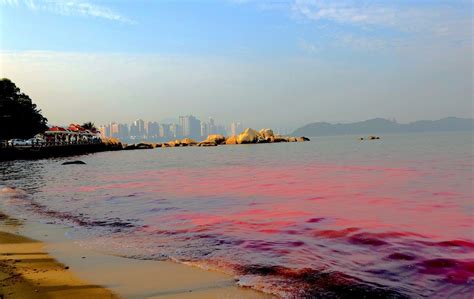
<point>332,217</point>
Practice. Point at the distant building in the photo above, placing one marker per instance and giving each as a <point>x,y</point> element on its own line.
<point>174,130</point>
<point>140,128</point>
<point>153,131</point>
<point>104,131</point>
<point>205,129</point>
<point>114,130</point>
<point>164,130</point>
<point>123,131</point>
<point>190,126</point>
<point>236,128</point>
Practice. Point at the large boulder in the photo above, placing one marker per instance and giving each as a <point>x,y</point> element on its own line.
<point>231,140</point>
<point>266,133</point>
<point>207,143</point>
<point>188,142</point>
<point>217,138</point>
<point>247,136</point>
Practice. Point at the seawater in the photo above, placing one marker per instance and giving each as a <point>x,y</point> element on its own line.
<point>334,217</point>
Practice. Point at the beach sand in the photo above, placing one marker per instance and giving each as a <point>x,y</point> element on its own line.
<point>57,267</point>
<point>27,271</point>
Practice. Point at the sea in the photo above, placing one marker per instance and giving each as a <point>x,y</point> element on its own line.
<point>335,217</point>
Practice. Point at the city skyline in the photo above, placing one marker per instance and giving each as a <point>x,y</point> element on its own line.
<point>185,126</point>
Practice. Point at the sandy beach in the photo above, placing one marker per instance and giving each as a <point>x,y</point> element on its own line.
<point>56,267</point>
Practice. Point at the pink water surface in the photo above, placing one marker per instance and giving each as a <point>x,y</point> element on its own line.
<point>309,226</point>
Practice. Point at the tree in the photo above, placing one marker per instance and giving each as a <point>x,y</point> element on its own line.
<point>89,126</point>
<point>19,117</point>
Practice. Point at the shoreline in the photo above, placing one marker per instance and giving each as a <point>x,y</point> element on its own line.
<point>11,154</point>
<point>53,266</point>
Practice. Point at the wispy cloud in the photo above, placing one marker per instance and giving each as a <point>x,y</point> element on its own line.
<point>70,7</point>
<point>435,19</point>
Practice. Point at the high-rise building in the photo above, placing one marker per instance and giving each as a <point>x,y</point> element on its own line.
<point>114,130</point>
<point>205,129</point>
<point>212,126</point>
<point>236,128</point>
<point>164,130</point>
<point>190,126</point>
<point>141,130</point>
<point>104,131</point>
<point>174,130</point>
<point>134,134</point>
<point>123,131</point>
<point>153,130</point>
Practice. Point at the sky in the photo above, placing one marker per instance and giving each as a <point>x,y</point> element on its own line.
<point>276,63</point>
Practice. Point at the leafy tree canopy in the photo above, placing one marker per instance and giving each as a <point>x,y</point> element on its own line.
<point>19,117</point>
<point>89,126</point>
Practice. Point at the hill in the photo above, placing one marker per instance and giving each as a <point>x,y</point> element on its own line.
<point>380,125</point>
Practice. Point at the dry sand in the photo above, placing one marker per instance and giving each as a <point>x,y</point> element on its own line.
<point>26,271</point>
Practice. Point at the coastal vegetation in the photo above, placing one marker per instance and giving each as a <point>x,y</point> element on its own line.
<point>19,116</point>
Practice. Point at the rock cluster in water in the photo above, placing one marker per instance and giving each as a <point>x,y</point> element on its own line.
<point>248,136</point>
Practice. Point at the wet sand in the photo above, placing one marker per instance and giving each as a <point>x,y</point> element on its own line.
<point>57,267</point>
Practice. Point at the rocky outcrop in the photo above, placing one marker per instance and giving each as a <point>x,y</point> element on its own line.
<point>248,136</point>
<point>266,133</point>
<point>231,140</point>
<point>207,143</point>
<point>188,142</point>
<point>217,138</point>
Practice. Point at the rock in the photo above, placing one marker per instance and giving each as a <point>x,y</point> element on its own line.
<point>217,138</point>
<point>247,136</point>
<point>73,162</point>
<point>129,147</point>
<point>261,139</point>
<point>158,145</point>
<point>373,137</point>
<point>270,139</point>
<point>144,146</point>
<point>174,143</point>
<point>207,143</point>
<point>280,139</point>
<point>266,133</point>
<point>188,142</point>
<point>301,139</point>
<point>231,140</point>
<point>292,139</point>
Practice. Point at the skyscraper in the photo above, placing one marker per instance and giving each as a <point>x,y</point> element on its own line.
<point>236,128</point>
<point>190,126</point>
<point>140,125</point>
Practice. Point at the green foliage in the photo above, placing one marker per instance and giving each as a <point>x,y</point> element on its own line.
<point>89,126</point>
<point>19,117</point>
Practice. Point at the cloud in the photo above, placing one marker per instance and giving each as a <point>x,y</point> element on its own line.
<point>70,7</point>
<point>308,47</point>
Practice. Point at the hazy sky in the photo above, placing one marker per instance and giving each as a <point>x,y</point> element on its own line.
<point>267,63</point>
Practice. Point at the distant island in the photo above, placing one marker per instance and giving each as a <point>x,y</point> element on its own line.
<point>380,125</point>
